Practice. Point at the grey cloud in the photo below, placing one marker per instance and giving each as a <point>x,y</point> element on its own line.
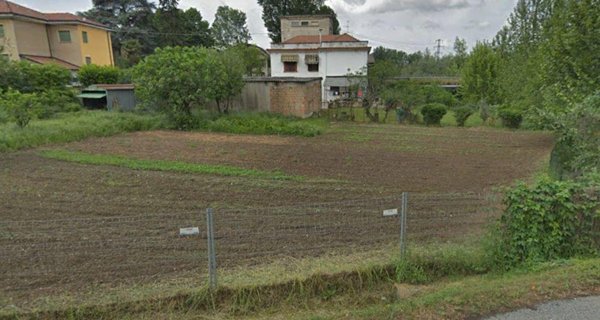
<point>431,25</point>
<point>476,24</point>
<point>387,6</point>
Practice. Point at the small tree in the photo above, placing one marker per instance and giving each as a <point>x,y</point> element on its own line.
<point>462,114</point>
<point>21,107</point>
<point>177,80</point>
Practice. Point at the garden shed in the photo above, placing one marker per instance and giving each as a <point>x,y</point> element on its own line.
<point>113,97</point>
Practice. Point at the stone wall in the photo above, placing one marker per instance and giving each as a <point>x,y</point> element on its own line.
<point>299,97</point>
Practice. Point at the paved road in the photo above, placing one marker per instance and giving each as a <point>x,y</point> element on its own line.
<point>574,309</point>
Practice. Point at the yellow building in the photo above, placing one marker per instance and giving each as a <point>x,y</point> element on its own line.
<point>60,38</point>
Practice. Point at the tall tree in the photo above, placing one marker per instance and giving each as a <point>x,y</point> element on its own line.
<point>175,27</point>
<point>480,74</point>
<point>273,10</point>
<point>129,20</point>
<point>229,27</point>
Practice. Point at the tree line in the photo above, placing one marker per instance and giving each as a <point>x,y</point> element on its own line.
<point>141,26</point>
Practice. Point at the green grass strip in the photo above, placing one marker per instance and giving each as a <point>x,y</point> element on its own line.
<point>162,165</point>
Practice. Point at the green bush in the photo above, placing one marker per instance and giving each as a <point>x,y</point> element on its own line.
<point>511,117</point>
<point>433,113</point>
<point>27,77</point>
<point>20,107</point>
<point>54,101</point>
<point>462,114</point>
<point>93,74</point>
<point>548,220</point>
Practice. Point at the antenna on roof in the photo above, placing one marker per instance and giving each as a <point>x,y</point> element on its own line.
<point>348,26</point>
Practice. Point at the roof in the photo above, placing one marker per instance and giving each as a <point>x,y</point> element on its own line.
<point>50,60</point>
<point>324,38</point>
<point>11,8</point>
<point>122,86</point>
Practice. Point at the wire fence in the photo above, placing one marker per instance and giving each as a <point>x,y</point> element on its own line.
<point>80,251</point>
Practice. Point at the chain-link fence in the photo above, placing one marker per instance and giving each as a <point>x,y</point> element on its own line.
<point>75,252</point>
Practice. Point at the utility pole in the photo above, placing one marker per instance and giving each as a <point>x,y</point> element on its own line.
<point>438,50</point>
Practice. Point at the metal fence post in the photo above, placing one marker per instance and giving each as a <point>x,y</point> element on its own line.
<point>403,213</point>
<point>212,254</point>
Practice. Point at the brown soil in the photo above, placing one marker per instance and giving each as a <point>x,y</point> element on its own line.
<point>66,226</point>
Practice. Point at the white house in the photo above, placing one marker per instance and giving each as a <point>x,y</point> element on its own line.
<point>330,57</point>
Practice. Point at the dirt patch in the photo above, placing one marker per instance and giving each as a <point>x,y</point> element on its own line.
<point>402,158</point>
<point>71,227</point>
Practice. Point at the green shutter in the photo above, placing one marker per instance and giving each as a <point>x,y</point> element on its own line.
<point>64,35</point>
<point>84,35</point>
<point>1,31</point>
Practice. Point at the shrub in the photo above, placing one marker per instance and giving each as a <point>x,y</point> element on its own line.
<point>548,220</point>
<point>511,117</point>
<point>20,107</point>
<point>433,113</point>
<point>54,101</point>
<point>27,77</point>
<point>93,74</point>
<point>462,114</point>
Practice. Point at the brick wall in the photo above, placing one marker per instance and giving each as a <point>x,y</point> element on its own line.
<point>295,98</point>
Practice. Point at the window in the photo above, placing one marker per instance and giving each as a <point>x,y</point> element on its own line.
<point>84,36</point>
<point>313,68</point>
<point>335,91</point>
<point>64,35</point>
<point>88,60</point>
<point>1,31</point>
<point>290,67</point>
<point>305,23</point>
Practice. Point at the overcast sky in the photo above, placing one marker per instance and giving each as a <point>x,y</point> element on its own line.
<point>409,25</point>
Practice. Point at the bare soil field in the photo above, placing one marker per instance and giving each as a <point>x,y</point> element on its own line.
<point>67,227</point>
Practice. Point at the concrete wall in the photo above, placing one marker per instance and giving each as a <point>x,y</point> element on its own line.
<point>290,28</point>
<point>331,63</point>
<point>9,42</point>
<point>32,38</point>
<point>98,48</point>
<point>67,51</point>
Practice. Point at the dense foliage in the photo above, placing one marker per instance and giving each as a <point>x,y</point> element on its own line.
<point>549,220</point>
<point>164,83</point>
<point>94,74</point>
<point>31,91</point>
<point>511,117</point>
<point>543,62</point>
<point>433,113</point>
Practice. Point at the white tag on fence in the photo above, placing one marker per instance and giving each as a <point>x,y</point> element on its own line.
<point>390,212</point>
<point>189,231</point>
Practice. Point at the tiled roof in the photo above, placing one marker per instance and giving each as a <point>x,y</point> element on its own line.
<point>7,7</point>
<point>50,60</point>
<point>325,38</point>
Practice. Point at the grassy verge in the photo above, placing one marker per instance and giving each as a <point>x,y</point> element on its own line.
<point>72,127</point>
<point>162,165</point>
<point>368,285</point>
<point>262,123</point>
